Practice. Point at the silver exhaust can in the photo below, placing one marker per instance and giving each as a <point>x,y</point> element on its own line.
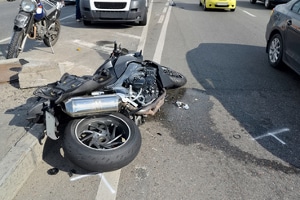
<point>83,106</point>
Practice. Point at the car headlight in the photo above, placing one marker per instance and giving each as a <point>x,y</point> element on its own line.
<point>28,5</point>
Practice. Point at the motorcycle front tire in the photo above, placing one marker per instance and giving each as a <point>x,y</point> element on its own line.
<point>14,48</point>
<point>102,143</point>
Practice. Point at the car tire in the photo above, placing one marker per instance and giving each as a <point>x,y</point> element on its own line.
<point>267,4</point>
<point>253,1</point>
<point>204,6</point>
<point>232,10</point>
<point>145,18</point>
<point>87,23</point>
<point>275,51</point>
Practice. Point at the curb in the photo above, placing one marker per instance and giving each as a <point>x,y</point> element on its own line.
<point>19,163</point>
<point>24,156</point>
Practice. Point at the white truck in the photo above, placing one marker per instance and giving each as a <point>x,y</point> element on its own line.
<point>114,11</point>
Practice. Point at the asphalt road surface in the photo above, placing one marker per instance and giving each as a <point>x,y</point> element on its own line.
<point>238,139</point>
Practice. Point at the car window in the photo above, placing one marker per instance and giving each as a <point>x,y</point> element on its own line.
<point>296,7</point>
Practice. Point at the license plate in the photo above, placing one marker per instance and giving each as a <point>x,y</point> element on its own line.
<point>50,126</point>
<point>221,4</point>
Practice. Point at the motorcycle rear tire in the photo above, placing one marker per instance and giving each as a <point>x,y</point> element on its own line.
<point>177,78</point>
<point>86,142</point>
<point>14,48</point>
<point>51,41</point>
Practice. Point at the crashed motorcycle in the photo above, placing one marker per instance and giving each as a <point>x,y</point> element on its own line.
<point>37,20</point>
<point>100,113</point>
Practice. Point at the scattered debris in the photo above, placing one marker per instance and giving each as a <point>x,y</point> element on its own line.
<point>182,105</point>
<point>172,3</point>
<point>53,171</point>
<point>159,134</point>
<point>237,136</point>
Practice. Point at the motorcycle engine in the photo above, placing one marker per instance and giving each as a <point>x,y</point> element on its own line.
<point>144,85</point>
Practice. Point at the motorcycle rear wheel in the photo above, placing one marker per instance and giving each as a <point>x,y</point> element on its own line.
<point>177,78</point>
<point>14,48</point>
<point>102,143</point>
<point>53,35</point>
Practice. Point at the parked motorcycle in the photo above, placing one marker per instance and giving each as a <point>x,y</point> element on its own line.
<point>37,20</point>
<point>100,113</point>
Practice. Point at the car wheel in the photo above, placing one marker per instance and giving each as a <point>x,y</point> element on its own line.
<point>87,23</point>
<point>267,4</point>
<point>275,50</point>
<point>144,21</point>
<point>204,6</point>
<point>253,1</point>
<point>232,10</point>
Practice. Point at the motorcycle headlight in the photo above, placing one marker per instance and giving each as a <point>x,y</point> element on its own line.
<point>28,5</point>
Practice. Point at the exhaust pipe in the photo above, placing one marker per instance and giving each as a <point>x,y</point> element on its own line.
<point>83,106</point>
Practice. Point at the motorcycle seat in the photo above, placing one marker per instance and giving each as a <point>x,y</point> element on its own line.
<point>70,86</point>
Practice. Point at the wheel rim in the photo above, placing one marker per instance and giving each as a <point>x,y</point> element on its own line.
<point>54,32</point>
<point>102,133</point>
<point>274,50</point>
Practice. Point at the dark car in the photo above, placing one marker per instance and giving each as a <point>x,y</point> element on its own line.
<point>283,36</point>
<point>270,3</point>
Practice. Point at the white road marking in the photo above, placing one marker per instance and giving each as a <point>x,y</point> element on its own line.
<point>107,190</point>
<point>248,13</point>
<point>143,38</point>
<point>162,36</point>
<point>129,35</point>
<point>161,19</point>
<point>273,134</point>
<point>5,39</point>
<point>67,17</point>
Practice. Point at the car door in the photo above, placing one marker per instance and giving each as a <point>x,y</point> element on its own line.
<point>292,47</point>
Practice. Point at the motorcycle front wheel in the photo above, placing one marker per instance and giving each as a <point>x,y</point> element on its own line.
<point>102,143</point>
<point>177,78</point>
<point>52,34</point>
<point>15,46</point>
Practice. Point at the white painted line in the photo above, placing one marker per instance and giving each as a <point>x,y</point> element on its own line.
<point>165,9</point>
<point>161,19</point>
<point>67,17</point>
<point>248,13</point>
<point>5,39</point>
<point>129,35</point>
<point>107,190</point>
<point>142,42</point>
<point>273,134</point>
<point>162,36</point>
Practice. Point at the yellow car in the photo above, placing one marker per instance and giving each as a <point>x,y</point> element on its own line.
<point>218,4</point>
